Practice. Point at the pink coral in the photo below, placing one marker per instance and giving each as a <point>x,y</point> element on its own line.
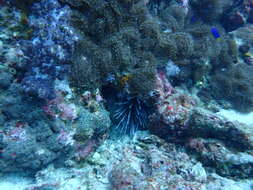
<point>59,108</point>
<point>68,111</point>
<point>173,105</point>
<point>51,107</point>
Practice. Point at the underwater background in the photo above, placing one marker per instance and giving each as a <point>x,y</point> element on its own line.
<point>126,95</point>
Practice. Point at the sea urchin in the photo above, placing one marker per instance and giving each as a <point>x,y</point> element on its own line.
<point>130,115</point>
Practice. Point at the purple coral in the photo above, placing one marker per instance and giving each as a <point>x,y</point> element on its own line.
<point>49,49</point>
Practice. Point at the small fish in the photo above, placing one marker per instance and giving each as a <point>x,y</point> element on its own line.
<point>215,32</point>
<point>193,19</point>
<point>248,54</point>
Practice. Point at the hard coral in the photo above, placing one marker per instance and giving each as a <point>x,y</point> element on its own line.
<point>130,39</point>
<point>173,106</point>
<point>131,34</point>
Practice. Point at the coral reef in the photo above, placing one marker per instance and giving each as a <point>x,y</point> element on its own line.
<point>227,163</point>
<point>71,70</point>
<point>237,15</point>
<point>33,136</point>
<point>146,162</point>
<point>41,121</point>
<point>49,49</point>
<point>132,44</point>
<point>234,84</point>
<point>123,55</point>
<point>28,143</point>
<point>216,142</point>
<point>210,10</point>
<point>173,106</point>
<point>122,43</point>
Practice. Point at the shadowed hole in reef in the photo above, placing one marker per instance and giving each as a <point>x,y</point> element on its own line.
<point>128,113</point>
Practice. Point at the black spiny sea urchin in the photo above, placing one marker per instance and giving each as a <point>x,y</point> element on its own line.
<point>130,115</point>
